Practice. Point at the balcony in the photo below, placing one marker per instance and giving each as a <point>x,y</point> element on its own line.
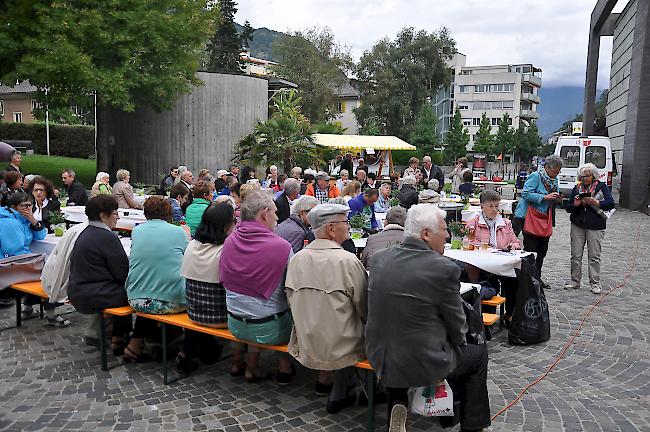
<point>531,97</point>
<point>532,80</point>
<point>529,114</point>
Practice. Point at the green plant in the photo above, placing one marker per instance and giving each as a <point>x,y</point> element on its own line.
<point>447,188</point>
<point>458,229</point>
<point>56,217</point>
<point>394,201</point>
<point>62,194</point>
<point>358,221</point>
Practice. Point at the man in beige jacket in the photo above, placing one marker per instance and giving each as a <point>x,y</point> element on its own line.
<point>327,292</point>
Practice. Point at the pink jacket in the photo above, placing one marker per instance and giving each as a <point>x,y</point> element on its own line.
<point>505,235</point>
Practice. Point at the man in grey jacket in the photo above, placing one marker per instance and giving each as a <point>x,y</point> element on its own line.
<point>392,234</point>
<point>415,334</point>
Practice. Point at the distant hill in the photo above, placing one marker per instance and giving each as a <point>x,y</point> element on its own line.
<point>262,42</point>
<point>559,104</point>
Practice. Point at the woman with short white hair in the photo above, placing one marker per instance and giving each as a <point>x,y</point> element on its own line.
<point>296,228</point>
<point>344,180</point>
<point>587,204</point>
<point>123,191</point>
<point>101,186</point>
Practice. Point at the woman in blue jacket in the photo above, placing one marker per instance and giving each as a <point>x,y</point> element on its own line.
<point>587,204</point>
<point>18,228</point>
<point>541,193</point>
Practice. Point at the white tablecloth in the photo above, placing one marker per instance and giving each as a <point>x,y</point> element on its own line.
<point>505,207</point>
<point>498,263</point>
<point>129,218</point>
<point>47,245</point>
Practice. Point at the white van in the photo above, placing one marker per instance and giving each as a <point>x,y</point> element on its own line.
<point>575,151</point>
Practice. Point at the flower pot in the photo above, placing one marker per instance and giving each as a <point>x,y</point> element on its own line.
<point>456,242</point>
<point>59,229</point>
<point>63,201</point>
<point>356,233</point>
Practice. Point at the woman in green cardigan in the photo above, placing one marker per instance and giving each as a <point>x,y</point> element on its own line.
<point>202,192</point>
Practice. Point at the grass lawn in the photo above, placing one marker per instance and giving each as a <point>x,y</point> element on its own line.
<point>52,166</point>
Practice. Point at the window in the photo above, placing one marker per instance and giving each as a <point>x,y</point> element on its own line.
<point>500,88</point>
<point>465,72</point>
<point>467,122</point>
<point>496,105</point>
<point>596,155</point>
<point>18,117</point>
<point>342,105</point>
<point>508,104</point>
<point>476,121</point>
<point>463,89</point>
<point>339,107</point>
<point>463,106</point>
<point>2,107</point>
<point>35,105</point>
<point>482,88</point>
<point>570,156</point>
<point>510,121</point>
<point>496,121</point>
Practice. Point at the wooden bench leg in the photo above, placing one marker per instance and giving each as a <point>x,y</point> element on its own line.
<point>371,401</point>
<point>102,341</point>
<point>19,316</point>
<point>40,304</point>
<point>164,351</point>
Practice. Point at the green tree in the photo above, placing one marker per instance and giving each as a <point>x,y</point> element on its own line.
<point>127,53</point>
<point>504,139</point>
<point>371,127</point>
<point>456,139</point>
<point>318,64</point>
<point>533,142</point>
<point>285,139</point>
<point>484,140</point>
<point>396,77</point>
<point>424,135</point>
<point>227,43</point>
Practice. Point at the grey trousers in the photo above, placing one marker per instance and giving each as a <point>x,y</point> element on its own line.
<point>594,240</point>
<point>344,383</point>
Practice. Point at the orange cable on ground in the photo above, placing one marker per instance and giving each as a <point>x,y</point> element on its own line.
<point>579,329</point>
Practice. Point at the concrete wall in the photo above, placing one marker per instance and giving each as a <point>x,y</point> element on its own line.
<point>619,83</point>
<point>200,131</point>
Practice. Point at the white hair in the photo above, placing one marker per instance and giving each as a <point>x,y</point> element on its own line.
<point>344,171</point>
<point>101,175</point>
<point>273,168</point>
<point>426,159</point>
<point>226,199</point>
<point>409,180</point>
<point>122,174</point>
<point>291,185</point>
<point>421,217</point>
<point>304,203</point>
<point>255,202</point>
<point>433,184</point>
<point>589,168</point>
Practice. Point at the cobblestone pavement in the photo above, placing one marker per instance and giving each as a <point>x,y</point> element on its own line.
<point>49,381</point>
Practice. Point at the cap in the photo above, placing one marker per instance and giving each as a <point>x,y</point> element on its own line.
<point>222,173</point>
<point>428,196</point>
<point>319,215</point>
<point>322,175</point>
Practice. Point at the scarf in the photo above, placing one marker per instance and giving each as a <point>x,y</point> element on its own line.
<point>549,183</point>
<point>582,189</point>
<point>492,225</point>
<point>253,260</point>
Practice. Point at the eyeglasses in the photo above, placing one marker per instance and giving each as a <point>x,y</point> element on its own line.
<point>347,222</point>
<point>25,205</point>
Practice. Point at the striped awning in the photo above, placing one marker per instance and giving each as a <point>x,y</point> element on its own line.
<point>362,142</point>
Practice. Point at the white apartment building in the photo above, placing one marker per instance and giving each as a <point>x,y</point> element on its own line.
<point>493,90</point>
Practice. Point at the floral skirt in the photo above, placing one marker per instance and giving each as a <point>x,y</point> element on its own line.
<point>154,306</point>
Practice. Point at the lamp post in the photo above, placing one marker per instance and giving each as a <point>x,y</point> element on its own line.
<point>47,122</point>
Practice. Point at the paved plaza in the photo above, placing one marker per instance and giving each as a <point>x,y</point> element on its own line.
<point>50,381</point>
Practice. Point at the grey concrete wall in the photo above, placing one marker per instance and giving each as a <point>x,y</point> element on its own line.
<point>200,131</point>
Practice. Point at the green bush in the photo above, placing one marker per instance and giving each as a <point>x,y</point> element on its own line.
<point>69,141</point>
<point>401,157</point>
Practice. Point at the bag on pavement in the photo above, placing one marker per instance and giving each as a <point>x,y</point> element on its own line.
<point>432,401</point>
<point>21,268</point>
<point>530,319</point>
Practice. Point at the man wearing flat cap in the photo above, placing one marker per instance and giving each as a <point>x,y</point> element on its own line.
<point>327,292</point>
<point>322,190</point>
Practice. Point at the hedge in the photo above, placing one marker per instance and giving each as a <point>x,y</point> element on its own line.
<point>65,140</point>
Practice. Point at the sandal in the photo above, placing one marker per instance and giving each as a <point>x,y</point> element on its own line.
<point>256,375</point>
<point>57,321</point>
<point>130,356</point>
<point>237,369</point>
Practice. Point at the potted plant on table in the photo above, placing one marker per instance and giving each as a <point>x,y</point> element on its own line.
<point>63,198</point>
<point>458,231</point>
<point>57,223</point>
<point>357,224</point>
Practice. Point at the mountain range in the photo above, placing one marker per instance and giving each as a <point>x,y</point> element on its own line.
<point>559,104</point>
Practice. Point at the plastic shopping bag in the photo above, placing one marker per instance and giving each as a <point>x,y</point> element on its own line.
<point>432,401</point>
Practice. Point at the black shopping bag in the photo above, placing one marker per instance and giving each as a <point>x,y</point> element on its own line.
<point>472,307</point>
<point>530,320</point>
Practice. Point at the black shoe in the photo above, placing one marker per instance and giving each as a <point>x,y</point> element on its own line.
<point>185,366</point>
<point>322,389</point>
<point>6,303</point>
<point>381,397</point>
<point>284,379</point>
<point>335,406</point>
<point>89,340</point>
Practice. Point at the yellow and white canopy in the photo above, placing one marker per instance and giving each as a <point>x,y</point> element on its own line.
<point>362,142</point>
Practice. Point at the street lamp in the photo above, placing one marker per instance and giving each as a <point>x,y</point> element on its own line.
<point>47,122</point>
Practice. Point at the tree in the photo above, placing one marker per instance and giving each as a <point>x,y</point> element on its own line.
<point>533,142</point>
<point>313,60</point>
<point>396,77</point>
<point>285,139</point>
<point>505,137</point>
<point>424,135</point>
<point>456,139</point>
<point>226,45</point>
<point>484,140</point>
<point>127,53</point>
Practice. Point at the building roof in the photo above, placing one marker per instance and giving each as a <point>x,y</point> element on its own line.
<point>23,87</point>
<point>362,142</point>
<point>346,90</point>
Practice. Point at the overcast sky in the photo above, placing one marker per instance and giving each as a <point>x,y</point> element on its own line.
<point>551,34</point>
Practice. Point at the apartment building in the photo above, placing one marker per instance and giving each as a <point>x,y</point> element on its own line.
<point>493,90</point>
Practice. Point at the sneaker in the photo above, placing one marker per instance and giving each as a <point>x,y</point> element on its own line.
<point>596,289</point>
<point>398,417</point>
<point>57,321</point>
<point>322,389</point>
<point>571,285</point>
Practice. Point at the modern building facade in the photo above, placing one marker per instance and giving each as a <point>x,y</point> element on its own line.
<point>628,103</point>
<point>17,103</point>
<point>493,90</point>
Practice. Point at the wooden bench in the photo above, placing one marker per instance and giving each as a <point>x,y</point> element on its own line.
<point>497,301</point>
<point>34,288</point>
